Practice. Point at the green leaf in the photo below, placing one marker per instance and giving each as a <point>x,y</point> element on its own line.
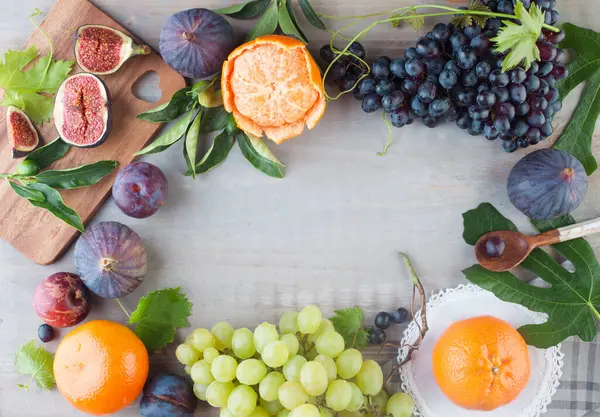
<point>217,153</point>
<point>569,302</point>
<point>170,111</point>
<point>36,362</point>
<point>348,323</point>
<point>202,86</point>
<point>54,203</point>
<point>158,315</point>
<point>267,23</point>
<point>14,63</point>
<point>464,20</point>
<point>82,176</point>
<point>261,157</point>
<point>49,153</point>
<point>215,118</point>
<point>26,192</point>
<point>38,107</point>
<point>290,8</point>
<point>521,38</point>
<point>577,136</point>
<point>288,26</point>
<point>191,142</point>
<point>170,136</point>
<point>312,16</point>
<point>247,10</point>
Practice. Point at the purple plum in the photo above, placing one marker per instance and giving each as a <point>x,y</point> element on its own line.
<point>140,189</point>
<point>168,396</point>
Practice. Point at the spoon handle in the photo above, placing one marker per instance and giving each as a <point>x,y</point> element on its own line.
<point>575,231</point>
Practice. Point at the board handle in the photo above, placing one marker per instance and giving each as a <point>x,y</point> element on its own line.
<point>578,230</point>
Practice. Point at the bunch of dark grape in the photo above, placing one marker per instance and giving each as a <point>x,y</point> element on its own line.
<point>383,321</point>
<point>454,74</point>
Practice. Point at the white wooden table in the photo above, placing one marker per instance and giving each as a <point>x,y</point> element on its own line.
<point>246,247</point>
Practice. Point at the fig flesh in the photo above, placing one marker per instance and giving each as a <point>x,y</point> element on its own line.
<point>22,136</point>
<point>102,50</point>
<point>111,259</point>
<point>140,189</point>
<point>196,42</point>
<point>82,112</point>
<point>61,300</point>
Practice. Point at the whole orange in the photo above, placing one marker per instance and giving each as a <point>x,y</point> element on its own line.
<point>101,367</point>
<point>481,363</point>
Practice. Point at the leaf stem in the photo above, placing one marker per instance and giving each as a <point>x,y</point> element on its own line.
<point>38,12</point>
<point>123,308</point>
<point>595,312</point>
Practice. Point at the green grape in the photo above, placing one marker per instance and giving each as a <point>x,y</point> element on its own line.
<point>187,354</point>
<point>223,332</point>
<point>225,413</point>
<point>339,395</point>
<point>313,377</point>
<point>202,339</point>
<point>291,395</point>
<point>187,369</point>
<point>200,391</point>
<point>329,365</point>
<point>379,401</point>
<point>292,368</point>
<point>210,354</point>
<point>243,343</point>
<point>325,412</point>
<point>357,398</point>
<point>223,368</point>
<point>326,326</point>
<point>288,323</point>
<point>264,334</point>
<point>201,373</point>
<point>292,343</point>
<point>400,405</point>
<point>284,413</point>
<point>272,407</point>
<point>306,410</point>
<point>217,393</point>
<point>275,354</point>
<point>330,343</point>
<point>348,363</point>
<point>269,386</point>
<point>309,319</point>
<point>242,401</point>
<point>251,371</point>
<point>259,411</point>
<point>370,378</point>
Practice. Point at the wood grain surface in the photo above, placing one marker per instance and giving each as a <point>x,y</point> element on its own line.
<point>246,247</point>
<point>35,232</point>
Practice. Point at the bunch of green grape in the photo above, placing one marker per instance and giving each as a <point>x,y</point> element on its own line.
<point>300,370</point>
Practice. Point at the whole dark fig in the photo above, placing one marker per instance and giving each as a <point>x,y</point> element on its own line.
<point>22,136</point>
<point>61,300</point>
<point>82,112</point>
<point>111,259</point>
<point>196,42</point>
<point>102,50</point>
<point>140,189</point>
<point>168,396</point>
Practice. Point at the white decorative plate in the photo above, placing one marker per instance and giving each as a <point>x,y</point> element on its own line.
<point>448,306</point>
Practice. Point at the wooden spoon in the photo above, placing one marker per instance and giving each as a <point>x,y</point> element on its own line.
<point>508,249</point>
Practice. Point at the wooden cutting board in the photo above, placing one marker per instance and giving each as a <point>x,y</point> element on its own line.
<point>33,231</point>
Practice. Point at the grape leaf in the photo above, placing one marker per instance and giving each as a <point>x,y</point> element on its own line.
<point>520,38</point>
<point>158,315</point>
<point>577,136</point>
<point>348,323</point>
<point>464,20</point>
<point>570,301</point>
<point>36,362</point>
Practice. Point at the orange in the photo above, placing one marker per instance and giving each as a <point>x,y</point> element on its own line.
<point>481,363</point>
<point>101,367</point>
<point>273,86</point>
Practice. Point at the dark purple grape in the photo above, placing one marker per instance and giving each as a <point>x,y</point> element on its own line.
<point>551,81</point>
<point>481,44</point>
<point>327,54</point>
<point>464,121</point>
<point>517,93</point>
<point>411,53</point>
<point>435,65</point>
<point>549,112</point>
<point>544,4</point>
<point>495,246</point>
<point>554,37</point>
<point>448,79</point>
<point>532,83</point>
<point>498,78</point>
<point>472,31</point>
<point>538,103</point>
<point>517,75</point>
<point>559,72</point>
<point>536,118</point>
<point>552,17</point>
<point>522,109</point>
<point>493,25</point>
<point>478,113</point>
<point>366,86</point>
<point>458,40</point>
<point>392,101</point>
<point>397,68</point>
<point>441,33</point>
<point>546,129</point>
<point>547,50</point>
<point>557,106</point>
<point>46,333</point>
<point>506,6</point>
<point>380,68</point>
<point>140,189</point>
<point>433,79</point>
<point>483,70</point>
<point>490,132</point>
<point>522,142</point>
<point>520,127</point>
<point>486,99</point>
<point>377,336</point>
<point>383,320</point>
<point>483,87</point>
<point>418,107</point>
<point>428,48</point>
<point>561,57</point>
<point>509,146</point>
<point>400,315</point>
<point>466,97</point>
<point>533,68</point>
<point>337,72</point>
<point>400,117</point>
<point>371,103</point>
<point>506,110</point>
<point>349,82</point>
<point>545,69</point>
<point>431,121</point>
<point>502,124</point>
<point>452,113</point>
<point>453,66</point>
<point>415,68</point>
<point>410,86</point>
<point>476,128</point>
<point>357,49</point>
<point>469,78</point>
<point>427,92</point>
<point>466,57</point>
<point>501,93</point>
<point>534,135</point>
<point>384,87</point>
<point>440,106</point>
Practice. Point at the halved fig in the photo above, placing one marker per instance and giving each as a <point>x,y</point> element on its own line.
<point>22,136</point>
<point>102,50</point>
<point>82,113</point>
